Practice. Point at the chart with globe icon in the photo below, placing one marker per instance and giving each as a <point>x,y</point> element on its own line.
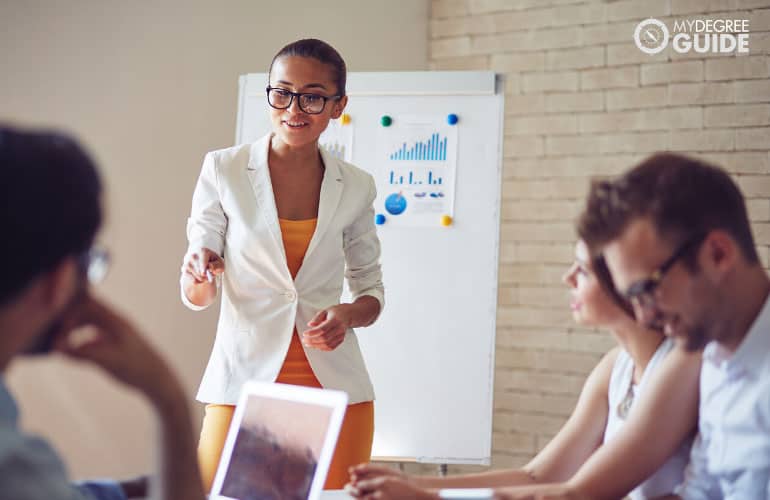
<point>418,161</point>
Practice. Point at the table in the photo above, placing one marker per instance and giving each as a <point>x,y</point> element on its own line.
<point>335,495</point>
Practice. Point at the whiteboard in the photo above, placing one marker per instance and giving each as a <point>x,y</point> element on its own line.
<point>431,353</point>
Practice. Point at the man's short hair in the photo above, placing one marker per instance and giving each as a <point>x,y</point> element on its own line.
<point>681,195</point>
<point>49,204</point>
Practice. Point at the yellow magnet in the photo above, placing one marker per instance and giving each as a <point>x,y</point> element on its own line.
<point>446,220</point>
<point>345,119</point>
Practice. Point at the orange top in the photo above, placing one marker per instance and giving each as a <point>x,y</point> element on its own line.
<point>296,238</point>
<point>354,444</point>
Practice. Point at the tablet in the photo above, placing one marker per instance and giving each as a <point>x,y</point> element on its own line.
<point>280,443</point>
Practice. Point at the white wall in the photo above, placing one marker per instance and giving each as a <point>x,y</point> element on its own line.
<point>149,89</point>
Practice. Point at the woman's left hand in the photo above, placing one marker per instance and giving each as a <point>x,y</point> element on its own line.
<point>388,488</point>
<point>328,327</point>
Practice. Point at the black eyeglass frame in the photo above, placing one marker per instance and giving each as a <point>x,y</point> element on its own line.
<point>299,96</point>
<point>642,292</point>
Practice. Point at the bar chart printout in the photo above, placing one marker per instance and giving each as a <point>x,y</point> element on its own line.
<point>418,161</point>
<point>432,150</point>
<point>337,139</point>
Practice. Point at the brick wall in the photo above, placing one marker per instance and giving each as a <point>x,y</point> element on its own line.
<point>583,101</point>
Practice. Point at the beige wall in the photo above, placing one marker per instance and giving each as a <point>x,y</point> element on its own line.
<point>150,87</point>
<point>582,101</point>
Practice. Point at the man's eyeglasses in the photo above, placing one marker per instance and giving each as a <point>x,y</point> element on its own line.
<point>94,263</point>
<point>311,104</point>
<point>642,293</point>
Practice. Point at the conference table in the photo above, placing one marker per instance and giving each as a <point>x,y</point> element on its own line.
<point>335,495</point>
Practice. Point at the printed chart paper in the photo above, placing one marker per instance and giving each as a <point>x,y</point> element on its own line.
<point>417,166</point>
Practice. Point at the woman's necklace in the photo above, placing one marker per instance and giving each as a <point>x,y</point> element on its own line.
<point>624,407</point>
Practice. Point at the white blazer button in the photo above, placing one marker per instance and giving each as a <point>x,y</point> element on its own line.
<point>291,296</point>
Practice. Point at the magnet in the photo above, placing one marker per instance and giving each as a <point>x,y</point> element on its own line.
<point>452,119</point>
<point>385,121</point>
<point>345,119</point>
<point>446,220</point>
<point>379,219</point>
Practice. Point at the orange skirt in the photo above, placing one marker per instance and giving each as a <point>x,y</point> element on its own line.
<point>354,444</point>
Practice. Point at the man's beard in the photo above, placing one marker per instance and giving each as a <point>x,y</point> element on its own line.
<point>696,339</point>
<point>44,343</point>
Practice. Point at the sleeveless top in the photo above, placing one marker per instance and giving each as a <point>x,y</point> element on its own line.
<point>671,473</point>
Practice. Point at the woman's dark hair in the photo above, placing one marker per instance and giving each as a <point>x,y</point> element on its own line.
<point>49,204</point>
<point>320,51</point>
<point>603,276</point>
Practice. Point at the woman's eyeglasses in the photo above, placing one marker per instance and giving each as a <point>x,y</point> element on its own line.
<point>311,104</point>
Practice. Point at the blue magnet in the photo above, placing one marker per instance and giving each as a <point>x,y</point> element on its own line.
<point>379,219</point>
<point>452,119</point>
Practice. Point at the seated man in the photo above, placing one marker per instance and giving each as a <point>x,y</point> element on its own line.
<point>676,237</point>
<point>50,213</point>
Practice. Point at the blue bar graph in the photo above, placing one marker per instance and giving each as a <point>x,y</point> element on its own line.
<point>335,149</point>
<point>415,179</point>
<point>433,149</point>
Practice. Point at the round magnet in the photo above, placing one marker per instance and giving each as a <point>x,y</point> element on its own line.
<point>385,121</point>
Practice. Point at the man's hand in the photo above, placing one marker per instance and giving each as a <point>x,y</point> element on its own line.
<point>93,332</point>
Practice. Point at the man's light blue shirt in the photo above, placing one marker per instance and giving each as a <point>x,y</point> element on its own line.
<point>31,470</point>
<point>730,458</point>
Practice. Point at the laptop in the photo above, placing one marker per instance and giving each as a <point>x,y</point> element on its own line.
<point>280,443</point>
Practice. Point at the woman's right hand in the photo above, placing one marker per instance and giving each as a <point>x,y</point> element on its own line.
<point>367,471</point>
<point>197,263</point>
<point>376,481</point>
<point>198,276</point>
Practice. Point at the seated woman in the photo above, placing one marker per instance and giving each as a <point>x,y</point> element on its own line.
<point>631,429</point>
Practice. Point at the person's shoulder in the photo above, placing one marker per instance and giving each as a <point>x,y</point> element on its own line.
<point>603,370</point>
<point>610,357</point>
<point>233,154</point>
<point>18,448</point>
<point>30,468</point>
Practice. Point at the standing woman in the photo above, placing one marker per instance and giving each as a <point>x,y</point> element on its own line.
<point>277,224</point>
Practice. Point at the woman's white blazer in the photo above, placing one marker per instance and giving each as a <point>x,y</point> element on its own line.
<point>234,214</point>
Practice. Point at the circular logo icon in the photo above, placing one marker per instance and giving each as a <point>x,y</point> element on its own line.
<point>651,36</point>
<point>395,204</point>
